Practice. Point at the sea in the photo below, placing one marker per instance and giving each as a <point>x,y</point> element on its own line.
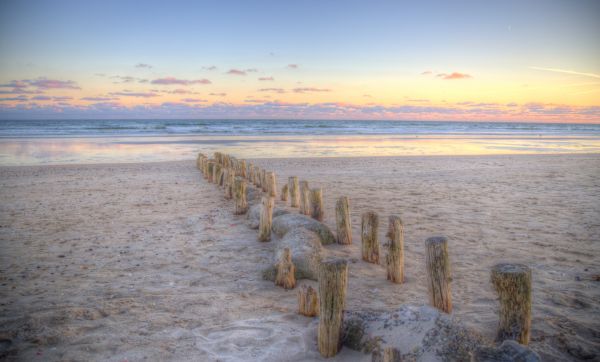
<point>34,142</point>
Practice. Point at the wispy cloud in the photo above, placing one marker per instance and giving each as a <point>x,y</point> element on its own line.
<point>236,72</point>
<point>567,71</point>
<point>44,83</point>
<point>274,90</point>
<point>454,75</point>
<point>293,66</point>
<point>266,79</point>
<point>143,65</point>
<point>310,89</point>
<point>218,94</point>
<point>427,72</point>
<point>172,80</point>
<point>210,68</point>
<point>194,100</point>
<point>251,70</point>
<point>97,99</point>
<point>135,94</point>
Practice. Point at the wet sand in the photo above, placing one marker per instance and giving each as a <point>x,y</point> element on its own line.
<point>147,261</point>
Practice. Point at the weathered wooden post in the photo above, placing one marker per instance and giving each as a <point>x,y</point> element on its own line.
<point>210,169</point>
<point>294,190</point>
<point>229,184</point>
<point>266,218</point>
<point>342,221</point>
<point>316,204</point>
<point>308,301</point>
<point>438,273</point>
<point>263,180</point>
<point>271,184</point>
<point>304,199</point>
<point>333,279</point>
<point>257,173</point>
<point>512,282</point>
<point>370,237</point>
<point>251,172</point>
<point>285,271</point>
<point>243,168</point>
<point>239,191</point>
<point>215,175</point>
<point>221,176</point>
<point>284,193</point>
<point>394,259</point>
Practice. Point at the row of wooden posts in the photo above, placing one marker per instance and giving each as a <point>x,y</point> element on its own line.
<point>512,282</point>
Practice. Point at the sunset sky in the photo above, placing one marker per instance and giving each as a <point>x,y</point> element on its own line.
<point>479,60</point>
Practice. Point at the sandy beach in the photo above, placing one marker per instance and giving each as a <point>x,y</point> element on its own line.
<point>146,261</point>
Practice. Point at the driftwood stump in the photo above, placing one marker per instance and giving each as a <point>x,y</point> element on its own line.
<point>284,193</point>
<point>389,354</point>
<point>286,271</point>
<point>316,204</point>
<point>370,237</point>
<point>333,279</point>
<point>271,184</point>
<point>304,198</point>
<point>239,192</point>
<point>438,273</point>
<point>395,257</point>
<point>342,221</point>
<point>294,190</point>
<point>308,301</point>
<point>266,218</point>
<point>512,282</point>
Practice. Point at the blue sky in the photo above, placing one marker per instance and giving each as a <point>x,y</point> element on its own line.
<point>350,52</point>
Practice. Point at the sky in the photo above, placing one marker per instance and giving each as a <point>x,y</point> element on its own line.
<point>469,60</point>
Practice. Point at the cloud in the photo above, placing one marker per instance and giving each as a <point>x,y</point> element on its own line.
<point>44,83</point>
<point>96,99</point>
<point>194,100</point>
<point>310,89</point>
<point>172,80</point>
<point>293,66</point>
<point>274,90</point>
<point>143,65</point>
<point>135,94</point>
<point>266,79</point>
<point>123,79</point>
<point>427,72</point>
<point>18,99</point>
<point>218,94</point>
<point>566,71</point>
<point>454,75</point>
<point>251,70</point>
<point>210,68</point>
<point>236,72</point>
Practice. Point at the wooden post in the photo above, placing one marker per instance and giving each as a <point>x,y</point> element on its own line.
<point>304,200</point>
<point>215,175</point>
<point>263,180</point>
<point>266,218</point>
<point>209,169</point>
<point>342,220</point>
<point>308,301</point>
<point>395,257</point>
<point>229,184</point>
<point>221,176</point>
<point>285,271</point>
<point>316,204</point>
<point>239,191</point>
<point>271,184</point>
<point>512,282</point>
<point>370,237</point>
<point>284,193</point>
<point>438,273</point>
<point>333,279</point>
<point>294,191</point>
<point>257,177</point>
<point>243,168</point>
<point>251,172</point>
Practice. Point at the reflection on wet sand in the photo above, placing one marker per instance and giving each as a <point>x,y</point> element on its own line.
<point>19,151</point>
